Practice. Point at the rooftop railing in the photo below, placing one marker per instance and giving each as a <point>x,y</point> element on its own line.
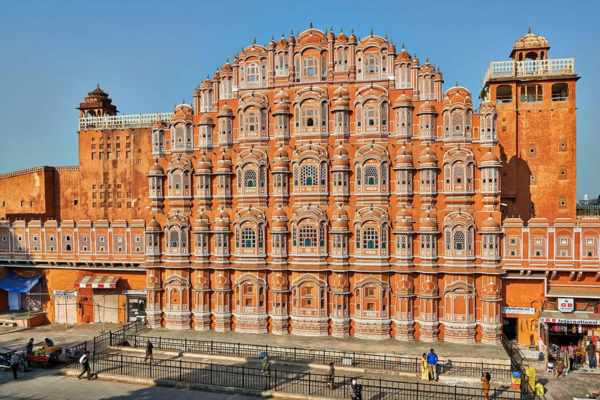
<point>122,121</point>
<point>527,68</point>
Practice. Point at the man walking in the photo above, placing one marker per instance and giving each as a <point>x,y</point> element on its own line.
<point>149,347</point>
<point>432,360</point>
<point>266,370</point>
<point>85,361</point>
<point>14,364</point>
<point>330,375</point>
<point>591,353</point>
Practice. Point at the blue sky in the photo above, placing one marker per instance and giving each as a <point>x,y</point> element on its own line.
<point>149,55</point>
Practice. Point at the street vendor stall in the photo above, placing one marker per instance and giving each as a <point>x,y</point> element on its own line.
<point>44,356</point>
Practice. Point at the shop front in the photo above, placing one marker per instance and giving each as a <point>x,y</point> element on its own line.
<point>560,329</point>
<point>105,296</point>
<point>136,304</point>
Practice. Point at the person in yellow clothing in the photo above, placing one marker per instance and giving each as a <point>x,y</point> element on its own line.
<point>485,381</point>
<point>424,368</point>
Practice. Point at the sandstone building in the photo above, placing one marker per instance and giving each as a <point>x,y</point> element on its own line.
<point>322,184</point>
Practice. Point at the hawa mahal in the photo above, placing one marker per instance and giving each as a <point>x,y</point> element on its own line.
<point>323,184</point>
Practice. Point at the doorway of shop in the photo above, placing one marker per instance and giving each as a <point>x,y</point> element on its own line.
<point>511,328</point>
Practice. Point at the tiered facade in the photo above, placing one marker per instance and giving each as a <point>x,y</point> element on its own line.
<point>320,185</point>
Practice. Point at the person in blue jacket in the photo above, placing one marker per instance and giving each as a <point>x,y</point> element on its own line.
<point>432,360</point>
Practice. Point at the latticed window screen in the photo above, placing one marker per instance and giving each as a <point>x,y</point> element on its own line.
<point>358,175</point>
<point>308,175</point>
<point>263,178</point>
<point>174,238</point>
<point>459,240</point>
<point>308,236</point>
<point>371,175</point>
<point>250,178</point>
<point>248,238</point>
<point>470,239</point>
<point>261,236</point>
<point>323,173</point>
<point>371,238</point>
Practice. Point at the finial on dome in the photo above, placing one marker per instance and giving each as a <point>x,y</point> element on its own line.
<point>227,60</point>
<point>371,32</point>
<point>456,83</point>
<point>352,31</point>
<point>529,31</point>
<point>325,31</point>
<point>282,34</point>
<point>98,85</point>
<point>297,32</point>
<point>427,59</point>
<point>386,38</point>
<point>182,101</point>
<point>341,29</point>
<point>310,24</point>
<point>272,38</point>
<point>402,45</point>
<point>254,40</point>
<point>438,68</point>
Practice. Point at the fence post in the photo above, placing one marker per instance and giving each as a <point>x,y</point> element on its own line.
<point>210,382</point>
<point>309,382</point>
<point>160,342</point>
<point>121,363</point>
<point>185,346</point>
<point>379,386</point>
<point>238,352</point>
<point>295,355</point>
<point>110,341</point>
<point>180,376</point>
<point>417,390</point>
<point>212,351</point>
<point>455,392</point>
<point>243,376</point>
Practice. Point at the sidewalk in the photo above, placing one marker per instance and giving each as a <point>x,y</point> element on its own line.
<point>476,352</point>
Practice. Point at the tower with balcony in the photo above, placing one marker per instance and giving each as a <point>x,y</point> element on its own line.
<point>532,93</point>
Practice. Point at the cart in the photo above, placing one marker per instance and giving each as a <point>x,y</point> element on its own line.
<point>44,358</point>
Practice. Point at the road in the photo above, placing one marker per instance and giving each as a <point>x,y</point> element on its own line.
<point>49,385</point>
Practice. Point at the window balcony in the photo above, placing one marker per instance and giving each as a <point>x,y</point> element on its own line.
<point>122,121</point>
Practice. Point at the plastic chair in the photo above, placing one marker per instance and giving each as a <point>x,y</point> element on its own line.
<point>550,369</point>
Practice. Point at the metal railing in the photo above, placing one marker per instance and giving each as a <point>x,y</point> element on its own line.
<point>73,354</point>
<point>516,358</point>
<point>305,383</point>
<point>306,356</point>
<point>122,121</point>
<point>588,210</point>
<point>505,69</point>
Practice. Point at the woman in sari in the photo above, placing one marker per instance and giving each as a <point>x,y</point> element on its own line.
<point>424,368</point>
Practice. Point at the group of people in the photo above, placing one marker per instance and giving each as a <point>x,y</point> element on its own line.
<point>429,363</point>
<point>569,360</point>
<point>15,360</point>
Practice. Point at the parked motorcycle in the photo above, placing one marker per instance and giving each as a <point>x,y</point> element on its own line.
<point>4,362</point>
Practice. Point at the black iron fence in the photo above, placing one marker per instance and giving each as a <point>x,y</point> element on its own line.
<point>516,359</point>
<point>106,339</point>
<point>74,353</point>
<point>306,356</point>
<point>305,383</point>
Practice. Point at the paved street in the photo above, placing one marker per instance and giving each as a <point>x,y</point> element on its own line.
<point>48,385</point>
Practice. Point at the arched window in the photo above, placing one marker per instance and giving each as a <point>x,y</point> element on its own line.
<point>370,238</point>
<point>371,175</point>
<point>309,116</point>
<point>372,116</point>
<point>372,64</point>
<point>174,238</point>
<point>251,121</point>
<point>308,175</point>
<point>310,67</point>
<point>459,240</point>
<point>250,178</point>
<point>248,238</point>
<point>252,73</point>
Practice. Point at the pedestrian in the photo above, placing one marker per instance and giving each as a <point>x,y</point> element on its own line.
<point>149,347</point>
<point>14,364</point>
<point>330,375</point>
<point>29,347</point>
<point>49,342</point>
<point>266,370</point>
<point>485,382</point>
<point>424,368</point>
<point>432,360</point>
<point>565,360</point>
<point>355,390</point>
<point>85,361</point>
<point>571,352</point>
<point>591,353</point>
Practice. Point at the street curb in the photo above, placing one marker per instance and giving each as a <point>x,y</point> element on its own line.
<point>197,386</point>
<point>442,378</point>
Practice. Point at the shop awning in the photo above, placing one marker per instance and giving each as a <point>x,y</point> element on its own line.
<point>97,282</point>
<point>577,317</point>
<point>14,283</point>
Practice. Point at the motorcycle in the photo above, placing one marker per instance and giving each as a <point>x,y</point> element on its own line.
<point>4,362</point>
<point>22,361</point>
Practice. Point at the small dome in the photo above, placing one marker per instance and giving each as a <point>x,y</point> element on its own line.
<point>292,39</point>
<point>225,111</point>
<point>403,55</point>
<point>531,41</point>
<point>490,158</point>
<point>428,219</point>
<point>156,169</point>
<point>282,97</point>
<point>206,120</point>
<point>341,38</point>
<point>222,221</point>
<point>201,222</point>
<point>272,44</point>
<point>280,213</point>
<point>279,283</point>
<point>204,164</point>
<point>352,38</point>
<point>427,69</point>
<point>427,108</point>
<point>340,151</point>
<point>282,43</point>
<point>281,153</point>
<point>216,76</point>
<point>490,223</point>
<point>339,284</point>
<point>339,212</point>
<point>428,156</point>
<point>281,108</point>
<point>206,84</point>
<point>226,68</point>
<point>341,91</point>
<point>153,224</point>
<point>404,223</point>
<point>183,112</point>
<point>458,96</point>
<point>403,101</point>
